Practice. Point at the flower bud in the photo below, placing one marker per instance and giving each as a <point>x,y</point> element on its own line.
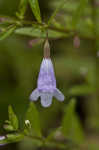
<point>76,42</point>
<point>27,123</point>
<point>46,49</point>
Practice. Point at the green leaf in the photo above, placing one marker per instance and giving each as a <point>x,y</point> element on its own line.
<point>13,118</point>
<point>56,11</point>
<point>70,7</point>
<point>30,143</point>
<point>33,116</point>
<point>93,146</point>
<point>38,33</point>
<point>68,117</point>
<point>53,133</point>
<point>11,138</point>
<point>7,33</point>
<point>78,134</point>
<point>79,12</point>
<point>71,126</point>
<point>81,90</point>
<point>14,137</point>
<point>22,8</point>
<point>35,9</point>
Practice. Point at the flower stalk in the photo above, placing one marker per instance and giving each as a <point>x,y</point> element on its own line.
<point>46,49</point>
<point>46,83</point>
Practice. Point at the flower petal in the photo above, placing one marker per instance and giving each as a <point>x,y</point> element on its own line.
<point>46,99</point>
<point>1,139</point>
<point>46,79</point>
<point>35,94</point>
<point>58,94</point>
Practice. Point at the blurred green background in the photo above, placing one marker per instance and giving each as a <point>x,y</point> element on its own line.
<point>76,72</point>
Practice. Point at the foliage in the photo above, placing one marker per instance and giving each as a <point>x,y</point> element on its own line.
<point>32,128</point>
<point>76,67</point>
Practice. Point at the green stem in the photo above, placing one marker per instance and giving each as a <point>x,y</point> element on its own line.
<point>53,143</point>
<point>22,23</point>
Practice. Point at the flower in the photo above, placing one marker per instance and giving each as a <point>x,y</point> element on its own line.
<point>1,139</point>
<point>46,85</point>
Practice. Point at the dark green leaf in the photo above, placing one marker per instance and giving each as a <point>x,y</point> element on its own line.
<point>52,134</point>
<point>22,8</point>
<point>78,134</point>
<point>13,118</point>
<point>71,7</point>
<point>79,12</point>
<point>11,138</point>
<point>56,11</point>
<point>37,32</point>
<point>68,118</point>
<point>7,33</point>
<point>33,116</point>
<point>71,126</point>
<point>93,146</point>
<point>81,90</point>
<point>35,9</point>
<point>30,143</point>
<point>14,137</point>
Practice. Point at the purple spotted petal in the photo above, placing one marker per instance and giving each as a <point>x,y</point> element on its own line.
<point>46,79</point>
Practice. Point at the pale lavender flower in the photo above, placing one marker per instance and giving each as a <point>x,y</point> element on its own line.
<point>1,139</point>
<point>46,85</point>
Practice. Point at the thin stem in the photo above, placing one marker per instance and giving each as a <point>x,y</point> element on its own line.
<point>27,22</point>
<point>52,143</point>
<point>21,23</point>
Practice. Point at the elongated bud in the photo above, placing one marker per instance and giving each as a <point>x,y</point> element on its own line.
<point>76,41</point>
<point>2,19</point>
<point>46,49</point>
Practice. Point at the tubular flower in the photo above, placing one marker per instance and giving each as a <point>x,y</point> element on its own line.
<point>46,85</point>
<point>1,139</point>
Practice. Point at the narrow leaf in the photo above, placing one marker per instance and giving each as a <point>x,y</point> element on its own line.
<point>22,8</point>
<point>14,137</point>
<point>79,12</point>
<point>7,33</point>
<point>38,33</point>
<point>35,9</point>
<point>81,90</point>
<point>56,11</point>
<point>68,118</point>
<point>78,134</point>
<point>13,118</point>
<point>71,126</point>
<point>52,134</point>
<point>33,116</point>
<point>11,138</point>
